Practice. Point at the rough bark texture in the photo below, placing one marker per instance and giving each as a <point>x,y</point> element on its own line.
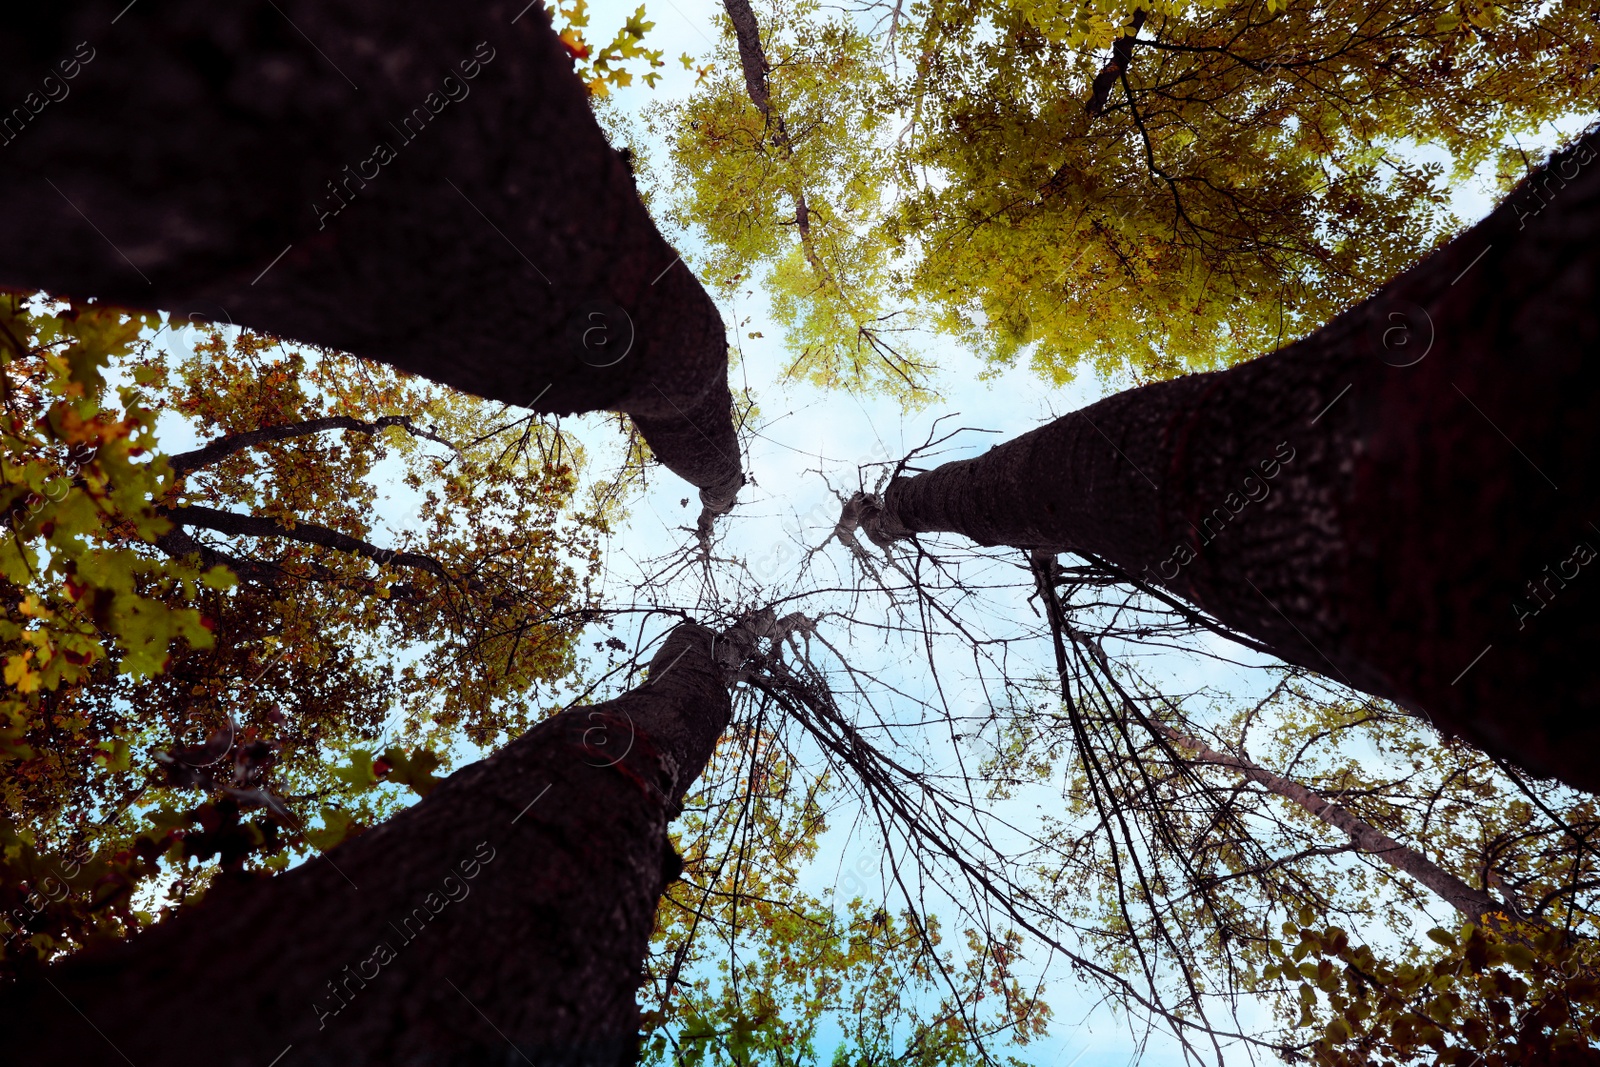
<point>752,57</point>
<point>1405,501</point>
<point>517,901</point>
<point>753,62</point>
<point>1473,904</point>
<point>418,183</point>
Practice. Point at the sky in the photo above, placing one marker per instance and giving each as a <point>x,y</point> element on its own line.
<point>803,448</point>
<point>807,445</point>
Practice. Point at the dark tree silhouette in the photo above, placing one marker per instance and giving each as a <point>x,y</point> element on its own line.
<point>420,184</point>
<point>373,954</point>
<point>1402,500</point>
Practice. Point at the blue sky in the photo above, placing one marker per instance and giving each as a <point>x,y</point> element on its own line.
<point>808,444</point>
<point>805,446</point>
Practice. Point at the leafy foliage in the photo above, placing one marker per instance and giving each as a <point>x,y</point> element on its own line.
<point>1213,862</point>
<point>1247,169</point>
<point>1486,998</point>
<point>607,67</point>
<point>169,724</point>
<point>748,967</point>
<point>81,600</point>
<point>78,494</point>
<point>799,209</point>
<point>213,668</point>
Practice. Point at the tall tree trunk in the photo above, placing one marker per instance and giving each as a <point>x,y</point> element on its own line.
<point>1406,500</point>
<point>418,183</point>
<point>503,919</point>
<point>1473,904</point>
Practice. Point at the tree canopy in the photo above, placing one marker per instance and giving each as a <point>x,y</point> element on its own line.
<point>262,595</point>
<point>230,608</point>
<point>1233,176</point>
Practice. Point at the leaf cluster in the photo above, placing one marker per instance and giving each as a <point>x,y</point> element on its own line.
<point>1491,996</point>
<point>1247,169</point>
<point>206,650</point>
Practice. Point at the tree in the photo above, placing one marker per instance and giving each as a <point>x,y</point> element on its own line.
<point>1172,863</point>
<point>1228,178</point>
<point>1473,903</point>
<point>459,216</point>
<point>581,1009</point>
<point>291,671</point>
<point>1294,499</point>
<point>374,934</point>
<point>748,183</point>
<point>275,728</point>
<point>787,963</point>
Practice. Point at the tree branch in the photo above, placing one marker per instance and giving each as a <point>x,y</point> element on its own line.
<point>187,462</point>
<point>1472,903</point>
<point>1121,58</point>
<point>230,522</point>
<point>178,543</point>
<point>753,60</point>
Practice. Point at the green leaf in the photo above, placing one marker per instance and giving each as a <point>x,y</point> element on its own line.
<point>337,827</point>
<point>415,771</point>
<point>358,773</point>
<point>218,577</point>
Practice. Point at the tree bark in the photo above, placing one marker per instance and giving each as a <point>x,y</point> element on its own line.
<point>418,183</point>
<point>502,919</point>
<point>1406,500</point>
<point>232,523</point>
<point>1121,60</point>
<point>753,62</point>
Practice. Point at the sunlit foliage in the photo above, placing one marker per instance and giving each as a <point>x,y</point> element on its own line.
<point>1249,168</point>
<point>749,967</point>
<point>216,656</point>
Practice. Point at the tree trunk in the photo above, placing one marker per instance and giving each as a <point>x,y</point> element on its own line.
<point>1473,904</point>
<point>503,919</point>
<point>1405,501</point>
<point>753,62</point>
<point>1117,68</point>
<point>422,184</point>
